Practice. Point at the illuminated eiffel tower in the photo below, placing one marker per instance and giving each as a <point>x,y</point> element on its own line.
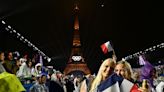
<point>76,64</point>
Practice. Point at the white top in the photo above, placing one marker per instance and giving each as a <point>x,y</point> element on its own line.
<point>160,87</point>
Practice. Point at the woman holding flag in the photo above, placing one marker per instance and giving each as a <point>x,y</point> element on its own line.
<point>123,69</point>
<point>120,81</point>
<point>105,70</point>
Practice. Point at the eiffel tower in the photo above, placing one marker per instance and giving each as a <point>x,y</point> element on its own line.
<point>76,64</point>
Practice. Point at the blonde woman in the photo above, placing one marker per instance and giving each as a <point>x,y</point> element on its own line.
<point>123,68</point>
<point>105,70</point>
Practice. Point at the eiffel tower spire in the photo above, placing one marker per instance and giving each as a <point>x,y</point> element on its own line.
<point>76,38</point>
<point>76,61</point>
<point>76,47</point>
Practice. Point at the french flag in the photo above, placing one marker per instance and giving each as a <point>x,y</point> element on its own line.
<point>116,83</point>
<point>106,47</point>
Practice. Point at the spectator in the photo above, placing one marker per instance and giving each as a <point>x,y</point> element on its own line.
<point>16,67</point>
<point>2,57</point>
<point>105,70</point>
<point>40,86</point>
<point>25,70</point>
<point>38,69</point>
<point>9,62</point>
<point>55,85</point>
<point>123,68</point>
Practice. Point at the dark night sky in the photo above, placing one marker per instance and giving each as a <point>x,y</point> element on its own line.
<point>130,25</point>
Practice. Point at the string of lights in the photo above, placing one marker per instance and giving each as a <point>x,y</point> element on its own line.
<point>151,49</point>
<point>24,40</point>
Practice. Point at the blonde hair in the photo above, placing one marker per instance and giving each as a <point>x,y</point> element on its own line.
<point>127,67</point>
<point>99,76</point>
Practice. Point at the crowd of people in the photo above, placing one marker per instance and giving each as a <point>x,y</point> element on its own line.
<point>35,77</point>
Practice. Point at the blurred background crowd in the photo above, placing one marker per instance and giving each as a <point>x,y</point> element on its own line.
<point>35,77</point>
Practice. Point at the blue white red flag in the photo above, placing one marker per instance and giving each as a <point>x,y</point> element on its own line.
<point>117,84</point>
<point>106,47</point>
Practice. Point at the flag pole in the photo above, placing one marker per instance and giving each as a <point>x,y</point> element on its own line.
<point>114,53</point>
<point>114,56</point>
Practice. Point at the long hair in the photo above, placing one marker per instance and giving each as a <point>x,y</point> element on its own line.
<point>99,77</point>
<point>128,71</point>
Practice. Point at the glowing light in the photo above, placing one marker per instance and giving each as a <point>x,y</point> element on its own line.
<point>18,34</point>
<point>153,48</point>
<point>102,5</point>
<point>44,57</point>
<point>3,22</point>
<point>49,59</point>
<point>76,58</point>
<point>14,31</point>
<point>11,32</point>
<point>9,27</point>
<point>21,38</point>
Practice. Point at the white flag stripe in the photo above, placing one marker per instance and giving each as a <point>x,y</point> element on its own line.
<point>160,87</point>
<point>113,88</point>
<point>126,86</point>
<point>107,44</point>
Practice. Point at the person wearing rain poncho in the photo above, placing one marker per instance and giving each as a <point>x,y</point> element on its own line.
<point>38,70</point>
<point>40,85</point>
<point>25,70</point>
<point>6,79</point>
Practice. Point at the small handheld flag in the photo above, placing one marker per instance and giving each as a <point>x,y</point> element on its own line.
<point>106,47</point>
